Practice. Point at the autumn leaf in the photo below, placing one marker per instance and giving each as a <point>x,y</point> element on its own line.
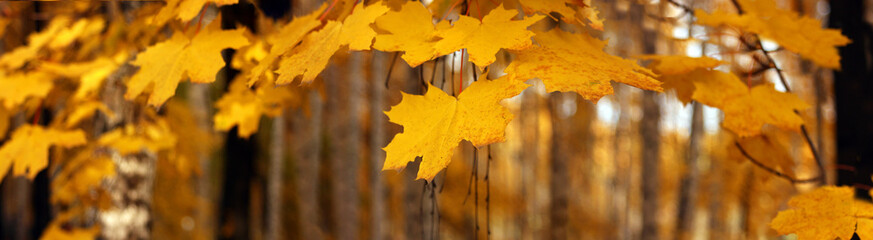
<point>582,12</point>
<point>243,107</point>
<point>678,64</point>
<point>283,41</point>
<point>747,110</point>
<point>57,231</point>
<point>90,74</point>
<point>35,42</point>
<point>154,137</point>
<point>164,65</point>
<point>27,149</point>
<point>81,174</point>
<point>356,31</point>
<point>484,39</point>
<point>18,87</point>
<point>84,110</point>
<point>410,30</point>
<point>185,10</point>
<point>826,213</point>
<point>769,149</point>
<point>312,56</point>
<point>576,62</point>
<point>679,72</point>
<point>799,34</point>
<point>434,124</point>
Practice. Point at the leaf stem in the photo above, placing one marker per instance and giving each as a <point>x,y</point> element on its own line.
<point>332,4</point>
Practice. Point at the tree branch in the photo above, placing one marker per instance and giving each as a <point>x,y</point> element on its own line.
<point>783,80</point>
<point>773,171</point>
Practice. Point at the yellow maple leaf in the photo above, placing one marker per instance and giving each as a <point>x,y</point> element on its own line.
<point>165,64</point>
<point>356,31</point>
<point>576,62</point>
<point>17,87</point>
<point>484,39</point>
<point>57,231</point>
<point>185,10</point>
<point>434,124</point>
<point>35,42</point>
<point>763,104</point>
<point>86,109</point>
<point>283,41</point>
<point>243,107</point>
<point>826,213</point>
<point>678,64</point>
<point>90,74</point>
<point>800,34</point>
<point>410,30</point>
<point>679,72</point>
<point>581,13</point>
<point>83,28</point>
<point>769,149</point>
<point>747,110</point>
<point>80,175</point>
<point>130,139</point>
<point>27,149</point>
<point>312,56</point>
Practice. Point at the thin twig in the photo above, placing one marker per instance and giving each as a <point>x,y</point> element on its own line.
<point>472,174</point>
<point>488,193</point>
<point>687,9</point>
<point>435,230</point>
<point>476,194</point>
<point>391,69</point>
<point>773,171</point>
<point>423,191</point>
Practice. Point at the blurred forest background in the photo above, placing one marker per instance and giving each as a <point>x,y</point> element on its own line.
<point>634,165</point>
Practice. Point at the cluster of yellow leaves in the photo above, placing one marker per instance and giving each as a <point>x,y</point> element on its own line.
<point>282,42</point>
<point>185,10</point>
<point>18,87</point>
<point>799,34</point>
<point>311,57</point>
<point>434,124</point>
<point>90,74</point>
<point>569,62</point>
<point>826,213</point>
<point>60,33</point>
<point>164,65</point>
<point>769,148</point>
<point>410,30</point>
<point>483,39</point>
<point>572,11</point>
<point>243,107</point>
<point>746,110</point>
<point>82,173</point>
<point>27,149</point>
<point>132,139</point>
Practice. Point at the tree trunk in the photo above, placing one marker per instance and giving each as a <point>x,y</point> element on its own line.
<point>378,72</point>
<point>688,186</point>
<point>343,85</point>
<point>529,121</point>
<point>559,178</point>
<point>307,152</point>
<point>852,87</point>
<point>275,177</point>
<point>131,194</point>
<point>651,137</point>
